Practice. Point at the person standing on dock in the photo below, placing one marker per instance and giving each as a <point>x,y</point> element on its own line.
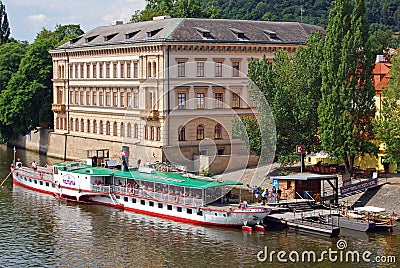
<point>256,193</point>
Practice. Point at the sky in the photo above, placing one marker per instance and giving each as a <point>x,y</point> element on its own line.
<point>28,17</point>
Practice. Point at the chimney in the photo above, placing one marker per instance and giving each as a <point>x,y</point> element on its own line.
<point>117,22</point>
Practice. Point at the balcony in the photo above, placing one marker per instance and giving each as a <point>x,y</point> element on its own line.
<point>58,108</point>
<point>149,115</point>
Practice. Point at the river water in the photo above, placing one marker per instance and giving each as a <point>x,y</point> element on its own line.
<point>37,230</point>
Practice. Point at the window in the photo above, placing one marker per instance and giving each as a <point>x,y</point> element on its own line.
<point>71,96</point>
<point>87,70</point>
<point>88,126</point>
<point>218,132</point>
<point>218,69</point>
<point>94,70</point>
<point>115,99</point>
<point>181,69</point>
<point>181,134</point>
<point>101,127</point>
<point>71,71</point>
<point>136,131</point>
<point>94,98</point>
<point>122,70</point>
<point>94,126</point>
<point>101,70</point>
<point>82,125</point>
<point>158,134</point>
<point>107,70</point>
<point>128,70</point>
<point>87,97</point>
<point>129,99</point>
<point>181,101</point>
<point>200,132</point>
<point>115,70</point>
<point>115,133</point>
<point>81,97</point>
<point>152,133</point>
<point>108,99</point>
<point>200,69</point>
<point>101,98</point>
<point>129,130</point>
<point>219,99</point>
<point>135,69</point>
<point>76,97</point>
<point>136,99</point>
<point>235,100</point>
<point>76,124</point>
<point>122,99</point>
<point>82,69</point>
<point>200,100</point>
<point>146,133</point>
<point>235,68</point>
<point>108,128</point>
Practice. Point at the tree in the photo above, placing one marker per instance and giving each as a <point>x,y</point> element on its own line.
<point>292,88</point>
<point>4,25</point>
<point>10,56</point>
<point>26,102</point>
<point>387,125</point>
<point>347,106</point>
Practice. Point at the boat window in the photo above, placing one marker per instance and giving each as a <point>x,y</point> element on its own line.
<point>126,199</point>
<point>143,202</point>
<point>25,179</point>
<point>133,200</point>
<point>55,171</point>
<point>30,180</point>
<point>47,184</point>
<point>117,196</point>
<point>151,203</point>
<point>189,211</point>
<point>200,213</point>
<point>216,214</point>
<point>160,205</point>
<point>179,209</point>
<point>35,181</point>
<point>169,207</point>
<point>41,182</point>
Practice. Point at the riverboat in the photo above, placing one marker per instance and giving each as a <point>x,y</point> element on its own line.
<point>174,195</point>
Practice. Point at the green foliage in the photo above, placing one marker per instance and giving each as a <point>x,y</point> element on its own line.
<point>291,87</point>
<point>206,172</point>
<point>10,56</point>
<point>347,106</point>
<point>387,125</point>
<point>4,25</point>
<point>26,101</point>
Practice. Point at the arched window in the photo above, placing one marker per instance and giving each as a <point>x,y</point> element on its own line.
<point>94,126</point>
<point>146,133</point>
<point>129,130</point>
<point>122,130</point>
<point>108,128</point>
<point>115,126</point>
<point>152,133</point>
<point>82,125</point>
<point>218,132</point>
<point>101,127</point>
<point>181,134</point>
<point>158,134</point>
<point>200,132</point>
<point>154,69</point>
<point>136,131</point>
<point>71,124</point>
<point>88,126</point>
<point>77,124</point>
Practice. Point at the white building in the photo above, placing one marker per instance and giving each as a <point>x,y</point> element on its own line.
<point>161,87</point>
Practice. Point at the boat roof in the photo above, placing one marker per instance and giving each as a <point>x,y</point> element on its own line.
<point>170,178</point>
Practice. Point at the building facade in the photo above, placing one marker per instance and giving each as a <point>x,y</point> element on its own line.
<point>168,88</point>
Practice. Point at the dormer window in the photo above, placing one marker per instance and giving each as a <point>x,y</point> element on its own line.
<point>74,40</point>
<point>90,38</point>
<point>109,37</point>
<point>270,34</point>
<point>132,34</point>
<point>240,34</point>
<point>206,34</point>
<point>153,33</point>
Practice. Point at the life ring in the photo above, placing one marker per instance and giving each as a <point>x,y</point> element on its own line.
<point>176,198</point>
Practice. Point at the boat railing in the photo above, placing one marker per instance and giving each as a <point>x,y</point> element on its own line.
<point>41,173</point>
<point>165,197</point>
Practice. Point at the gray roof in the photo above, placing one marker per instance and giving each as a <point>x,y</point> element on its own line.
<point>192,30</point>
